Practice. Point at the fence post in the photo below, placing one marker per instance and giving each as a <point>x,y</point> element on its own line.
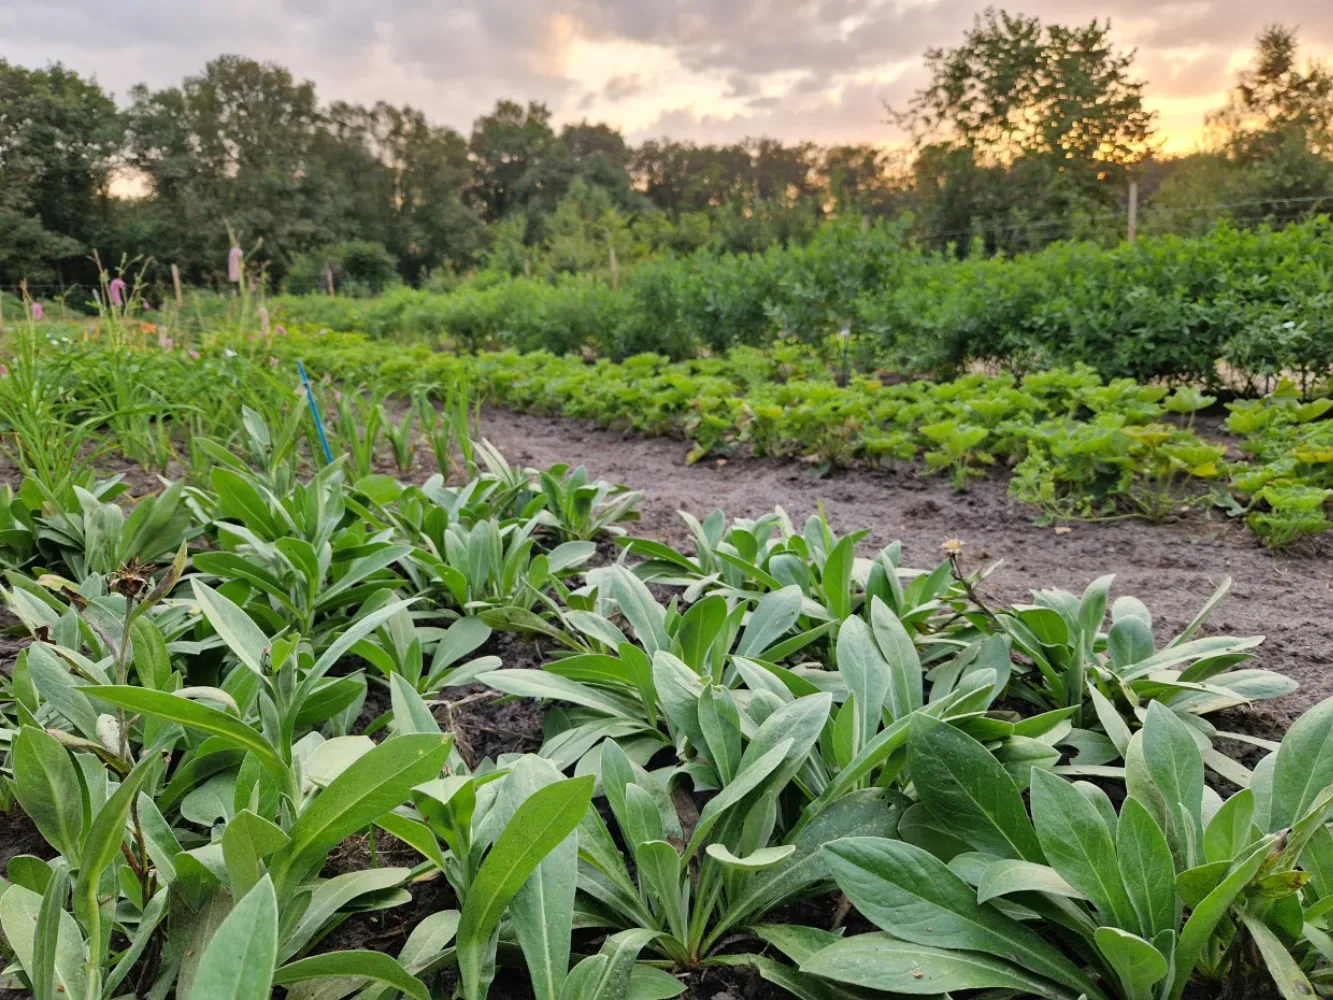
<point>176,280</point>
<point>1133,210</point>
<point>615,269</point>
<point>328,279</point>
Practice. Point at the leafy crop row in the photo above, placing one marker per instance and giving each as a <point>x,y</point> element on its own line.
<point>223,682</point>
<point>1080,447</point>
<point>1164,307</point>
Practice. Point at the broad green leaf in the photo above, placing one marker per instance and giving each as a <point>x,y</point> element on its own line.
<point>1175,765</point>
<point>765,857</point>
<point>1304,766</point>
<point>1137,964</point>
<point>47,950</point>
<point>773,616</point>
<point>542,912</point>
<point>901,655</point>
<point>868,678</point>
<point>246,842</point>
<point>19,911</point>
<point>545,685</point>
<point>968,791</point>
<point>238,962</point>
<point>609,979</point>
<point>334,756</point>
<point>410,713</point>
<point>659,870</point>
<point>914,895</point>
<point>698,629</point>
<point>719,721</point>
<point>544,820</point>
<point>1009,875</point>
<point>1147,869</point>
<point>242,636</point>
<point>837,577</point>
<point>1079,846</point>
<point>640,609</point>
<point>372,786</point>
<point>371,965</point>
<point>47,786</point>
<point>880,962</point>
<point>204,718</point>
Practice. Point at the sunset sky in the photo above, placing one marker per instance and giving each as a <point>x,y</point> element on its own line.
<point>710,70</point>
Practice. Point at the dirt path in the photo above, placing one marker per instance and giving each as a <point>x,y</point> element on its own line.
<point>1173,568</point>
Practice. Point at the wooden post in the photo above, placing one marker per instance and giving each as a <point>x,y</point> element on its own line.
<point>1133,210</point>
<point>527,267</point>
<point>328,279</point>
<point>2,310</point>
<point>615,269</point>
<point>176,280</point>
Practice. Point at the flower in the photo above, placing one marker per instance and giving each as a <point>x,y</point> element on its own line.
<point>229,353</point>
<point>117,290</point>
<point>263,320</point>
<point>282,330</point>
<point>36,310</point>
<point>234,257</point>
<point>167,343</point>
<point>4,371</point>
<point>194,355</point>
<point>273,362</point>
<point>952,546</point>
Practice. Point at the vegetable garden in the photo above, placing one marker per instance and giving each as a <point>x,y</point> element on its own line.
<point>360,706</point>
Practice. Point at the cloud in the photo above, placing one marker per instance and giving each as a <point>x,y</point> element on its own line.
<point>702,69</point>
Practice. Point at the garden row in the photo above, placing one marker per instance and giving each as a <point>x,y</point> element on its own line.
<point>226,681</point>
<point>1078,447</point>
<point>1259,301</point>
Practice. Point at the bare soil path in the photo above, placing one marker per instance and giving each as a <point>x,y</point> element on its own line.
<point>1172,567</point>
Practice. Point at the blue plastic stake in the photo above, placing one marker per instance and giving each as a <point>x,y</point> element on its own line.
<point>314,412</point>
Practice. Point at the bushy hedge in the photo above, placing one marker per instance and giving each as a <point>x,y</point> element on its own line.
<point>1260,301</point>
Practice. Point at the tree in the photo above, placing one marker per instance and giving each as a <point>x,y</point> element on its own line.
<point>1045,118</point>
<point>231,146</point>
<point>511,151</point>
<point>59,135</point>
<point>1275,98</point>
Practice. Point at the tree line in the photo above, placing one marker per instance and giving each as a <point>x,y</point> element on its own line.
<point>1025,133</point>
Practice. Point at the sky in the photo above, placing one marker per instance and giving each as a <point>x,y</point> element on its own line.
<point>707,70</point>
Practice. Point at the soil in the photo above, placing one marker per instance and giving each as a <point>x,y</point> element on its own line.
<point>1172,567</point>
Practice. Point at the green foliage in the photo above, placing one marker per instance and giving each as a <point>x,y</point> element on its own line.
<point>358,269</point>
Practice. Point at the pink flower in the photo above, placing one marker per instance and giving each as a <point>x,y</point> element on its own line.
<point>282,330</point>
<point>273,362</point>
<point>4,371</point>
<point>117,290</point>
<point>167,343</point>
<point>194,355</point>
<point>147,304</point>
<point>234,257</point>
<point>36,310</point>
